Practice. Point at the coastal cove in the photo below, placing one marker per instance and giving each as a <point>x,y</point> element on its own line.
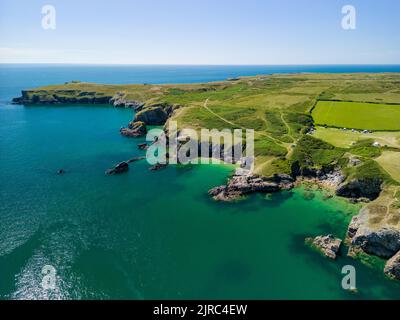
<point>150,235</point>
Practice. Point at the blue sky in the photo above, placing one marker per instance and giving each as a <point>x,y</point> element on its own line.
<point>200,32</point>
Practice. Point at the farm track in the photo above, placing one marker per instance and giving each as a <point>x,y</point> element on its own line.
<point>281,143</point>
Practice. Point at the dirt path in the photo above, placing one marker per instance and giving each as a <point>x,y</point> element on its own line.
<point>287,127</point>
<point>240,127</point>
<point>217,115</point>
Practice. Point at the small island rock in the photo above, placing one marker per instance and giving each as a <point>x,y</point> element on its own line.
<point>119,168</point>
<point>327,245</point>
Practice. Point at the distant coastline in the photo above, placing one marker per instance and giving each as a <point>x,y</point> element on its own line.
<point>170,74</point>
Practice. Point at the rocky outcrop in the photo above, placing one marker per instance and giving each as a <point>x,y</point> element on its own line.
<point>243,183</point>
<point>361,188</point>
<point>123,166</point>
<point>119,101</point>
<point>382,241</point>
<point>392,267</point>
<point>135,129</point>
<point>365,189</point>
<point>156,114</point>
<point>61,97</point>
<point>328,245</point>
<point>330,176</point>
<point>311,172</point>
<point>152,116</point>
<point>119,168</point>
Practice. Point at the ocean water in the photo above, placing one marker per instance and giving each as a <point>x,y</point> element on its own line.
<point>150,235</point>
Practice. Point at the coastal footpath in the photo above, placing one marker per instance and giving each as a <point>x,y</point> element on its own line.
<point>302,133</point>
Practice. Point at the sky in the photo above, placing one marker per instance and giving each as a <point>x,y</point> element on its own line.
<point>220,32</point>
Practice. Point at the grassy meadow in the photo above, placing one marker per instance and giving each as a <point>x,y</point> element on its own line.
<point>357,115</point>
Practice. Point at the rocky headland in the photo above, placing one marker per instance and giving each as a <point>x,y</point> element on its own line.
<point>244,182</point>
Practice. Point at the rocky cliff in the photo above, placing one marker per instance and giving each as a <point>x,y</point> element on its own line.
<point>361,188</point>
<point>61,97</point>
<point>376,231</point>
<point>75,96</point>
<point>383,242</point>
<point>156,114</point>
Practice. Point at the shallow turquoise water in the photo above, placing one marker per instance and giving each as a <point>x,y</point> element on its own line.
<point>146,235</point>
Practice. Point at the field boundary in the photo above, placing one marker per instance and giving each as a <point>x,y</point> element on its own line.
<point>352,101</point>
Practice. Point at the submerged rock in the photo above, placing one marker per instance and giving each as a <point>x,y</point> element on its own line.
<point>158,166</point>
<point>327,197</point>
<point>327,245</point>
<point>135,159</point>
<point>308,195</point>
<point>392,267</point>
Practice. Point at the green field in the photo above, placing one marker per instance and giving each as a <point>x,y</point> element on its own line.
<point>357,115</point>
<point>345,139</point>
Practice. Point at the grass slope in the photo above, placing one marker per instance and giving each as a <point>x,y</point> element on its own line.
<point>390,161</point>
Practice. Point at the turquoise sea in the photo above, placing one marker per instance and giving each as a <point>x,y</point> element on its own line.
<point>150,235</point>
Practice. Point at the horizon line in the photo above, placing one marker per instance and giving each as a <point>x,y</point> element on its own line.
<point>199,64</point>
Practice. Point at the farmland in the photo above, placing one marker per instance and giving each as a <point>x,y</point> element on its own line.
<point>357,115</point>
